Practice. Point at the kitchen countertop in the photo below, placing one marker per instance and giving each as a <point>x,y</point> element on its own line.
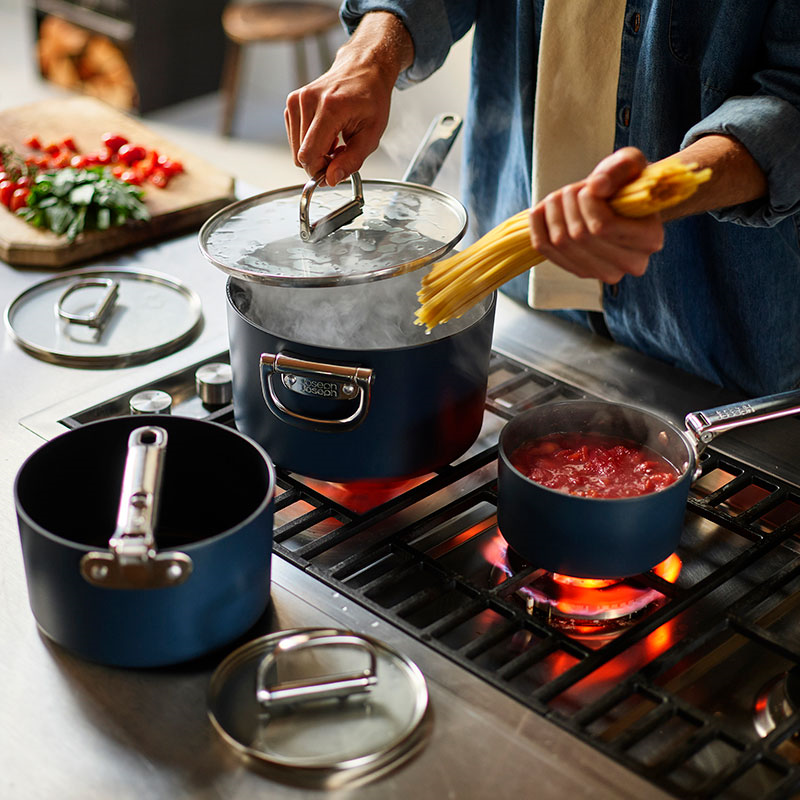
<point>71,729</point>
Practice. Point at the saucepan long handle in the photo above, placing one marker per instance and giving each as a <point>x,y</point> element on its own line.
<point>703,426</point>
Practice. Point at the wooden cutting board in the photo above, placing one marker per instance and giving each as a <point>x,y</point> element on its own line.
<point>188,200</point>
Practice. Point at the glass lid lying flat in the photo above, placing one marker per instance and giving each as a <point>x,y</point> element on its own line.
<point>401,227</point>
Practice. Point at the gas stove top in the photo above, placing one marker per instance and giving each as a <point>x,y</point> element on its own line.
<point>686,675</point>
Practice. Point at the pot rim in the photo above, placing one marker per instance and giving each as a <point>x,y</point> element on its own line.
<point>687,470</point>
<point>491,303</point>
<point>269,495</point>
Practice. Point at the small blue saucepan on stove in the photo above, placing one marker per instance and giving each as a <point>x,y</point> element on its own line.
<point>590,537</point>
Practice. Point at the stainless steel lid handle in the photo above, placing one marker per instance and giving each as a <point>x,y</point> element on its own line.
<point>703,426</point>
<point>131,561</point>
<point>98,316</point>
<point>335,219</point>
<point>315,379</point>
<point>272,694</point>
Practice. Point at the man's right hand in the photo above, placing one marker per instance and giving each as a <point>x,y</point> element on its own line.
<point>352,99</point>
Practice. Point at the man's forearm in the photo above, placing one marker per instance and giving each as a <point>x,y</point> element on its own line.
<point>382,37</point>
<point>735,176</point>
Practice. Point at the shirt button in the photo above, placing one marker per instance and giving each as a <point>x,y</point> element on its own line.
<point>636,22</point>
<point>625,115</point>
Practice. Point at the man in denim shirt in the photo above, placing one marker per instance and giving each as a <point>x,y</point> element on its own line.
<point>716,293</point>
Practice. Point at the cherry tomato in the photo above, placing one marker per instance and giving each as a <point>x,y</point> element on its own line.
<point>129,176</point>
<point>131,153</point>
<point>52,149</point>
<point>104,156</point>
<point>23,181</point>
<point>113,141</point>
<point>62,159</point>
<point>159,178</point>
<point>149,164</point>
<point>20,198</point>
<point>7,188</point>
<point>169,166</point>
<point>69,144</point>
<point>34,143</point>
<point>79,162</point>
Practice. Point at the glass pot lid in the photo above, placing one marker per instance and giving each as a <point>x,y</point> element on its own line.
<point>105,317</point>
<point>320,707</point>
<point>268,238</point>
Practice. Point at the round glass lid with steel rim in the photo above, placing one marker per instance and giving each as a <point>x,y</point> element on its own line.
<point>320,707</point>
<point>104,317</point>
<point>401,227</point>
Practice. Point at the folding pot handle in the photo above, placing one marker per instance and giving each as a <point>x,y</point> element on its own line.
<point>271,694</point>
<point>313,232</point>
<point>314,379</point>
<point>99,315</point>
<point>131,561</point>
<point>703,426</point>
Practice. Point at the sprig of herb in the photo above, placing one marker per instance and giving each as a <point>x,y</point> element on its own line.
<point>68,201</point>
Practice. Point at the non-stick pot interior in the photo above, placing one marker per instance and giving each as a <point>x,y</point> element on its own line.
<point>368,316</point>
<point>214,479</point>
<point>621,421</point>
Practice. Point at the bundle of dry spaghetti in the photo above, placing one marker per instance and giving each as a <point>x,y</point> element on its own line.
<point>460,281</point>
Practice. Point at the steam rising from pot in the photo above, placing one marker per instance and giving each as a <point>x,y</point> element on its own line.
<point>376,315</point>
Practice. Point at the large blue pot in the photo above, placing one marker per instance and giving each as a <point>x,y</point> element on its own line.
<point>380,401</point>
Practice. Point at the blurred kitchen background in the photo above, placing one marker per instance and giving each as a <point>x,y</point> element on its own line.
<point>151,33</point>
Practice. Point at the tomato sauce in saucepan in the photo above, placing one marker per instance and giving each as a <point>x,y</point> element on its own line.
<point>593,465</point>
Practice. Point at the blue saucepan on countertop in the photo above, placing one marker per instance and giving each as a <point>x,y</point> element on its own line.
<point>146,539</point>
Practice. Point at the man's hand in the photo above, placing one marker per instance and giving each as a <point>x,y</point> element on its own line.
<point>352,99</point>
<point>576,228</point>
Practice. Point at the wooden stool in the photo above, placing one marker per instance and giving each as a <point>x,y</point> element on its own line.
<point>247,23</point>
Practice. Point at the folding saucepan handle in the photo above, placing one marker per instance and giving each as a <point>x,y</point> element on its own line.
<point>131,561</point>
<point>315,379</point>
<point>704,426</point>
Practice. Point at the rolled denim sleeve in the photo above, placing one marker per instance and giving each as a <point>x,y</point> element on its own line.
<point>769,128</point>
<point>434,26</point>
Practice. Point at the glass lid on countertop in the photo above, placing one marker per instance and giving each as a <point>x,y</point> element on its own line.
<point>320,707</point>
<point>312,235</point>
<point>104,317</point>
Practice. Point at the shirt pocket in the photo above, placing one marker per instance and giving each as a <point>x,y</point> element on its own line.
<point>690,28</point>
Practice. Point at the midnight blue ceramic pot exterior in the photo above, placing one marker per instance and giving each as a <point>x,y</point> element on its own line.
<point>217,502</point>
<point>425,410</point>
<point>590,537</point>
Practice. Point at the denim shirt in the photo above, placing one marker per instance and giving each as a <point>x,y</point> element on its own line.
<point>722,299</point>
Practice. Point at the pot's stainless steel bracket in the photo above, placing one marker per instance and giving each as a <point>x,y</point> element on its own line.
<point>704,426</point>
<point>132,561</point>
<point>315,379</point>
<point>98,316</point>
<point>335,219</point>
<point>272,694</point>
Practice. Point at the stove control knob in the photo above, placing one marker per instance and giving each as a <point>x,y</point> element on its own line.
<point>214,384</point>
<point>150,401</point>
